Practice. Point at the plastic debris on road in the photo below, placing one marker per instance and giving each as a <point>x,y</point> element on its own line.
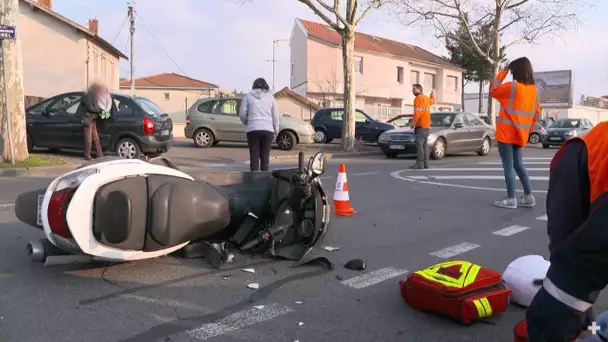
<point>249,270</point>
<point>298,302</point>
<point>230,258</point>
<point>300,324</point>
<point>253,286</point>
<point>259,307</point>
<point>355,264</point>
<point>331,249</point>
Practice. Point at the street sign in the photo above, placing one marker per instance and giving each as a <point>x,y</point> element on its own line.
<point>7,32</point>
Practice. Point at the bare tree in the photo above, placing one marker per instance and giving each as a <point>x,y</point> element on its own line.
<point>328,87</point>
<point>515,21</point>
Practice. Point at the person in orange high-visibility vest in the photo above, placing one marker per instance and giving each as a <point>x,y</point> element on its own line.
<point>577,224</point>
<point>421,123</point>
<point>520,109</point>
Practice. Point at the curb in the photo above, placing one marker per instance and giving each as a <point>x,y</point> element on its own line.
<point>37,171</point>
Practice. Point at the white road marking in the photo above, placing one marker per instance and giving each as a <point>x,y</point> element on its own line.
<point>397,174</point>
<point>373,278</point>
<point>238,321</point>
<point>364,174</point>
<point>479,169</point>
<point>538,158</point>
<point>7,205</point>
<point>511,230</point>
<point>543,218</point>
<point>451,251</point>
<point>418,177</point>
<point>481,177</point>
<point>528,163</point>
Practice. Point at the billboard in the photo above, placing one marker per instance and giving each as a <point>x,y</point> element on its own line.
<point>555,88</point>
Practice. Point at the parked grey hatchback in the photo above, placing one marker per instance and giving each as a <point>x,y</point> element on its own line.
<point>212,120</point>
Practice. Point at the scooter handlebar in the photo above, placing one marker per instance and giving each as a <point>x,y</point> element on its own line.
<point>301,160</point>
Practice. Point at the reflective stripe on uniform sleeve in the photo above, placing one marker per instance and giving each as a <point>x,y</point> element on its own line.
<point>422,109</point>
<point>508,121</point>
<point>563,297</point>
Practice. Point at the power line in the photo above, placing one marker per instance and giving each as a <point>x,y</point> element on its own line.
<point>162,48</point>
<point>120,30</point>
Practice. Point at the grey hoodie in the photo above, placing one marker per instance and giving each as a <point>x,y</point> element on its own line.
<point>259,111</point>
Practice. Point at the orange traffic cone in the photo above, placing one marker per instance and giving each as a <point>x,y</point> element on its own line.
<point>341,199</point>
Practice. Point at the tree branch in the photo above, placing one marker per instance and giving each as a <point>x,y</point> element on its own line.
<point>515,5</point>
<point>333,24</point>
<point>373,4</point>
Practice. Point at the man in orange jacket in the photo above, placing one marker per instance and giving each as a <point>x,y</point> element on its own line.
<point>577,220</point>
<point>421,123</point>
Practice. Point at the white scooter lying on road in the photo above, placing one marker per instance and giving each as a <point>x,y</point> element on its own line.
<point>125,210</point>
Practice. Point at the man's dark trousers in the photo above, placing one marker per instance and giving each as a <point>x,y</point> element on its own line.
<point>422,146</point>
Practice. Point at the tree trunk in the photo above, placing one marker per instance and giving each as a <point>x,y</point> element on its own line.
<point>14,90</point>
<point>480,108</point>
<point>462,84</point>
<point>491,102</point>
<point>496,58</point>
<point>348,125</point>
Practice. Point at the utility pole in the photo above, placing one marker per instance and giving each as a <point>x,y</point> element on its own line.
<point>273,60</point>
<point>132,40</point>
<point>13,140</point>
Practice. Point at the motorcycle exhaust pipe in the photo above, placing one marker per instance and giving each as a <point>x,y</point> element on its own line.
<point>40,250</point>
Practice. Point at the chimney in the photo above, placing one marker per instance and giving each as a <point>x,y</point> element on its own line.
<point>46,3</point>
<point>93,25</point>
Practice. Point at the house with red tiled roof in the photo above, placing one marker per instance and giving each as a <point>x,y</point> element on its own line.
<point>60,55</point>
<point>295,105</point>
<point>385,71</point>
<point>173,92</point>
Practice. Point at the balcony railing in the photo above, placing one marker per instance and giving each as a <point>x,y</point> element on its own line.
<point>382,113</point>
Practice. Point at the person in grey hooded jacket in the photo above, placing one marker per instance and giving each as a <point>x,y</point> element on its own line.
<point>260,113</point>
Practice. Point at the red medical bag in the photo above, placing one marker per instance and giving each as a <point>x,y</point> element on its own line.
<point>459,289</point>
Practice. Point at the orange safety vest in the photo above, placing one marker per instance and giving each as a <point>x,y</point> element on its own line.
<point>422,111</point>
<point>520,109</point>
<point>585,252</point>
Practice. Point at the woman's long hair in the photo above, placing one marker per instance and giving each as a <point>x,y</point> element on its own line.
<point>260,83</point>
<point>522,71</point>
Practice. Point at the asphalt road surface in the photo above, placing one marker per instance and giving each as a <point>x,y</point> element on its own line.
<point>404,223</point>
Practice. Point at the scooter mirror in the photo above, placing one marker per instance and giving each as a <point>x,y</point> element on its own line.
<point>316,165</point>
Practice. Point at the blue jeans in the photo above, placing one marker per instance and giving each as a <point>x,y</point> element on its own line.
<point>512,163</point>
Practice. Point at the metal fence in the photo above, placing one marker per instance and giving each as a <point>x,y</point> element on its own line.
<point>382,113</point>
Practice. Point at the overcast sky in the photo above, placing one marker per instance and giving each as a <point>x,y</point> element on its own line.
<point>226,44</point>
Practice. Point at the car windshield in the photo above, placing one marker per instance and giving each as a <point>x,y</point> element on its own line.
<point>402,121</point>
<point>442,119</point>
<point>149,106</point>
<point>566,123</point>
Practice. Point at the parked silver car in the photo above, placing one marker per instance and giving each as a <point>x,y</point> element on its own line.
<point>213,120</point>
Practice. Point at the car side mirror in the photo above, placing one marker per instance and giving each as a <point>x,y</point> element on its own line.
<point>458,125</point>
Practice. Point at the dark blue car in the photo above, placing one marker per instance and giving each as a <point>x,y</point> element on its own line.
<point>328,125</point>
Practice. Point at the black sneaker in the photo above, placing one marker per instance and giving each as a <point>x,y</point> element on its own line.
<point>416,167</point>
<point>426,166</point>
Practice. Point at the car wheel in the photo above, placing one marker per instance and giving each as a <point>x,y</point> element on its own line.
<point>286,140</point>
<point>546,146</point>
<point>128,148</point>
<point>534,138</point>
<point>390,155</point>
<point>438,151</point>
<point>486,145</point>
<point>203,138</point>
<point>30,143</point>
<point>320,136</point>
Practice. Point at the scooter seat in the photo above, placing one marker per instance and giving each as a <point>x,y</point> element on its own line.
<point>182,211</point>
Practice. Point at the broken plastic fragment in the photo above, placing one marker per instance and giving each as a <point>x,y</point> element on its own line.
<point>259,307</point>
<point>230,258</point>
<point>300,324</point>
<point>355,264</point>
<point>253,286</point>
<point>249,270</point>
<point>331,249</point>
<point>298,302</point>
<point>226,278</point>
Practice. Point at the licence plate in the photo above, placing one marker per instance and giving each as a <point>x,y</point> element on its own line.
<point>397,147</point>
<point>164,132</point>
<point>555,138</point>
<point>39,210</point>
